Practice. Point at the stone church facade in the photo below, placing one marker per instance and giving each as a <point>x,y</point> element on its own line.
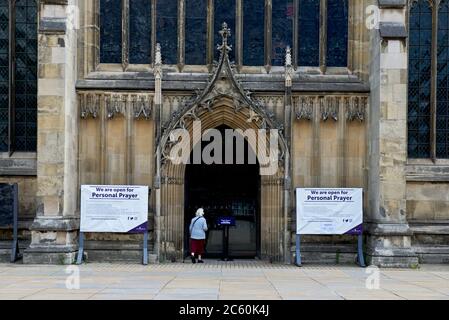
<point>357,99</point>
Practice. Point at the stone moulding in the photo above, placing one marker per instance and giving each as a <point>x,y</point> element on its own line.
<point>114,104</point>
<point>142,106</point>
<point>89,105</point>
<point>303,107</point>
<point>355,107</point>
<point>223,83</point>
<point>329,107</point>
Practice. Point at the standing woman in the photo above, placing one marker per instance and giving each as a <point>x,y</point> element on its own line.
<point>198,228</point>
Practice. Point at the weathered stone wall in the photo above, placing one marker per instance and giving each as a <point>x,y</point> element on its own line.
<point>54,231</point>
<point>329,151</point>
<point>116,146</point>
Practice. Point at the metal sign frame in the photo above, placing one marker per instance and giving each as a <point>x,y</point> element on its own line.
<point>15,242</point>
<point>81,240</point>
<point>360,257</point>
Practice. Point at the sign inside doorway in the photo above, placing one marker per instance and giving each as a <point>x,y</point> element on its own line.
<point>121,209</point>
<point>329,211</point>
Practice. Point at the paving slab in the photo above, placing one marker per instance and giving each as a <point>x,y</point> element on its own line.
<point>241,280</point>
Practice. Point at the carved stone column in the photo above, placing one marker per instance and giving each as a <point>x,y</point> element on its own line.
<point>55,229</point>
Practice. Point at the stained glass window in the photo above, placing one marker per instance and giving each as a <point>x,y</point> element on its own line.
<point>4,74</point>
<point>337,33</point>
<point>224,12</point>
<point>140,31</point>
<point>282,31</point>
<point>196,31</point>
<point>419,86</point>
<point>253,32</point>
<point>26,76</point>
<point>167,30</point>
<point>111,31</point>
<point>442,123</point>
<point>309,33</point>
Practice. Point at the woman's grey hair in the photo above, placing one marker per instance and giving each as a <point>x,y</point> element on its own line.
<point>200,212</point>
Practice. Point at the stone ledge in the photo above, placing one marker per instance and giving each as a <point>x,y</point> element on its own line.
<point>383,4</point>
<point>52,26</point>
<point>392,30</point>
<point>39,257</point>
<point>53,248</point>
<point>388,229</point>
<point>430,229</point>
<point>16,166</point>
<point>55,224</point>
<point>427,173</point>
<point>145,85</point>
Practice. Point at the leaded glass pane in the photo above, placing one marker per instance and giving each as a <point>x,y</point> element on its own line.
<point>111,31</point>
<point>309,33</point>
<point>337,33</point>
<point>419,80</point>
<point>224,11</point>
<point>140,31</point>
<point>196,32</point>
<point>442,124</point>
<point>167,30</point>
<point>253,32</point>
<point>282,32</point>
<point>4,74</point>
<point>26,76</point>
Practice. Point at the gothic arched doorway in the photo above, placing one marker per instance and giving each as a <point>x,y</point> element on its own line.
<point>224,102</point>
<point>226,190</point>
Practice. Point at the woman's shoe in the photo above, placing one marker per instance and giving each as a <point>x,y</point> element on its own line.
<point>193,259</point>
<point>200,261</point>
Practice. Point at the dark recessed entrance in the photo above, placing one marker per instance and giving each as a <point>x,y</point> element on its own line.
<point>225,190</point>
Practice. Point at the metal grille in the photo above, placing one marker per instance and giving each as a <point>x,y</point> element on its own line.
<point>167,29</point>
<point>253,32</point>
<point>442,123</point>
<point>26,75</point>
<point>196,31</point>
<point>419,88</point>
<point>282,31</point>
<point>309,33</point>
<point>4,74</point>
<point>140,31</point>
<point>337,33</point>
<point>111,31</point>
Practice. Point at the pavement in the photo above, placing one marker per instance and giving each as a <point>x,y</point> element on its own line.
<point>216,280</point>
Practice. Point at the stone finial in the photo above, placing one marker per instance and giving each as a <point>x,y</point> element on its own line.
<point>288,67</point>
<point>158,75</point>
<point>225,33</point>
<point>288,57</point>
<point>158,59</point>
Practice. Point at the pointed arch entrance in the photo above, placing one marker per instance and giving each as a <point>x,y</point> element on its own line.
<point>225,189</point>
<point>269,238</point>
<point>223,102</point>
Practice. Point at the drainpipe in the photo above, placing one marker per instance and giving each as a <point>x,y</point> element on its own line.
<point>158,116</point>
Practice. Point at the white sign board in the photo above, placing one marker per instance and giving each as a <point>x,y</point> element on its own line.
<point>121,209</point>
<point>329,211</point>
